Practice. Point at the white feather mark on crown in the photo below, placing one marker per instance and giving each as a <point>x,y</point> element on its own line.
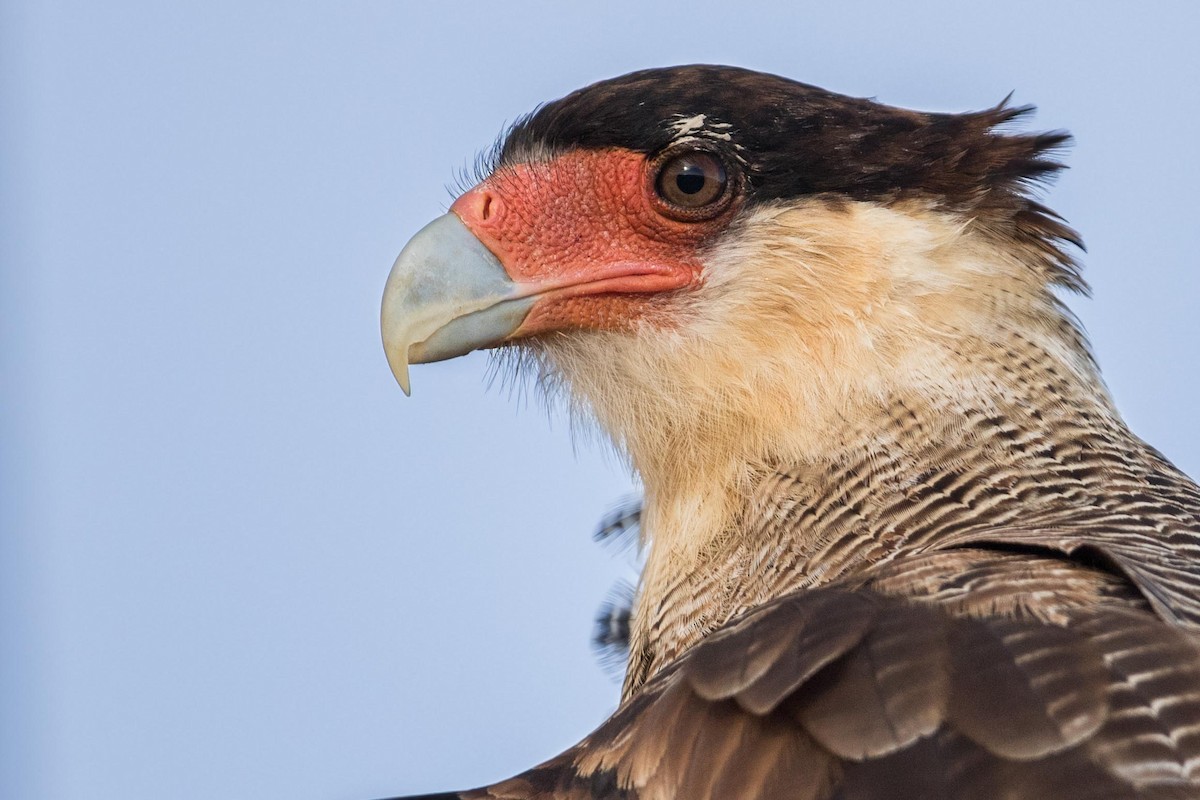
<point>699,126</point>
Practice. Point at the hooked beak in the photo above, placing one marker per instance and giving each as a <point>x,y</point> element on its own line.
<point>447,295</point>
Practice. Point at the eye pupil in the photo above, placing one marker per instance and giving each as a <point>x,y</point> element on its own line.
<point>693,182</point>
<point>690,180</point>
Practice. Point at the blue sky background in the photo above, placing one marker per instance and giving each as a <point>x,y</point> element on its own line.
<point>235,561</point>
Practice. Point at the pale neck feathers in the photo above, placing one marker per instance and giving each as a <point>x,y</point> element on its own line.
<point>812,320</point>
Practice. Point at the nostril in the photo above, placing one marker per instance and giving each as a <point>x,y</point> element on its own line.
<point>479,206</point>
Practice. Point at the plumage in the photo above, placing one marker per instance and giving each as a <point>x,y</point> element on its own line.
<point>899,542</point>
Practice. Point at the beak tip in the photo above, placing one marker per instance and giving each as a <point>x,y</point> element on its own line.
<point>399,365</point>
<point>397,358</point>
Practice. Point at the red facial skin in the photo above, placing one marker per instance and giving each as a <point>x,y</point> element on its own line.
<point>588,235</point>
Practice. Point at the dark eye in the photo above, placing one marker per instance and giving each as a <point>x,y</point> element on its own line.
<point>692,180</point>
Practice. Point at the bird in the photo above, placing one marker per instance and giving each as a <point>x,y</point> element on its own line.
<point>899,542</point>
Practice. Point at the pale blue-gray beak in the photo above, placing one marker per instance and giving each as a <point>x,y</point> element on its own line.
<point>447,295</point>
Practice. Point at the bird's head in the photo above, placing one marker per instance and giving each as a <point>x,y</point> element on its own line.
<point>721,260</point>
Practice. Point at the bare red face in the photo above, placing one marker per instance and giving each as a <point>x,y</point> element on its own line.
<point>601,236</point>
<point>590,240</point>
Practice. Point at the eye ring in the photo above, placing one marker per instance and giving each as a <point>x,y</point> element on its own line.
<point>693,184</point>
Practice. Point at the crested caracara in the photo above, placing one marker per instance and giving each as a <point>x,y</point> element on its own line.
<point>900,543</point>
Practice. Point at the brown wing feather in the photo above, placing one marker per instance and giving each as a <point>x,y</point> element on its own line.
<point>1025,690</point>
<point>846,692</point>
<point>885,694</point>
